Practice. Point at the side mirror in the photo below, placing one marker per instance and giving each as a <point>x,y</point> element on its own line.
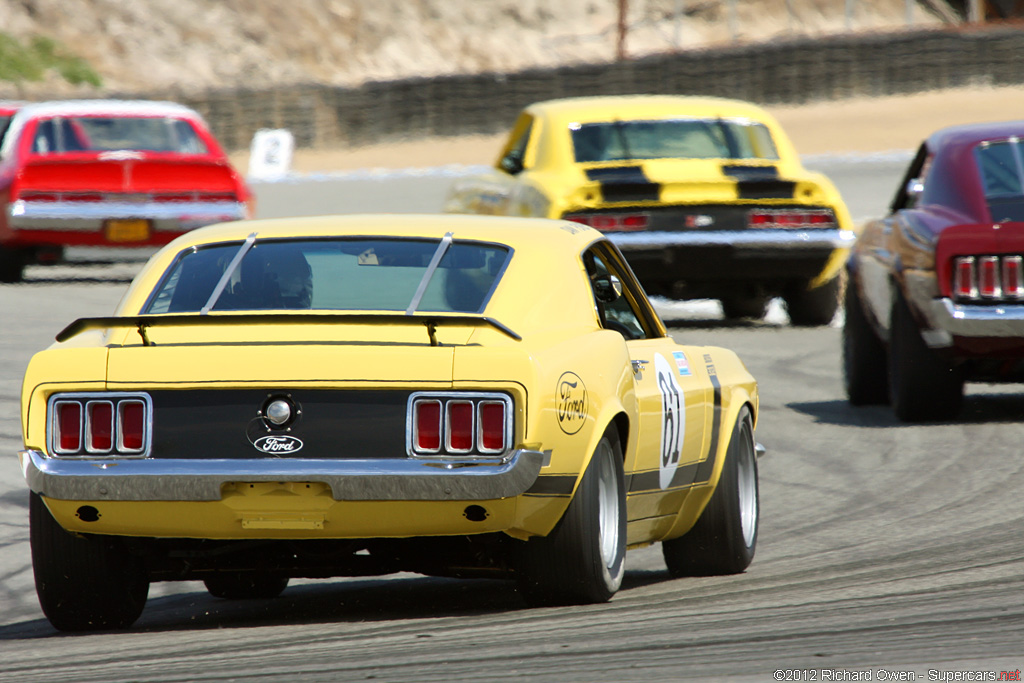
<point>607,289</point>
<point>512,163</point>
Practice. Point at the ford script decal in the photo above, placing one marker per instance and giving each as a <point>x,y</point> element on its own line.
<point>572,402</point>
<point>275,445</point>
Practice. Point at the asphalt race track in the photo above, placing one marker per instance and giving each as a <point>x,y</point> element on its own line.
<point>884,549</point>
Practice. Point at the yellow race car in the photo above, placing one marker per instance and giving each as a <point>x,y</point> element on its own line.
<point>706,197</point>
<point>360,395</point>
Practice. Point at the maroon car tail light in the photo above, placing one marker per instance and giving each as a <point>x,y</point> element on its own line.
<point>791,219</point>
<point>964,279</point>
<point>611,222</point>
<point>459,424</point>
<point>100,424</point>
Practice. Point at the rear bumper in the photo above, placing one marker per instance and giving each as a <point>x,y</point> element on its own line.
<point>962,320</point>
<point>782,241</point>
<point>147,479</point>
<point>171,217</point>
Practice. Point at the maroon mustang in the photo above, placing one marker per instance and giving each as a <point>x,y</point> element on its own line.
<point>935,295</point>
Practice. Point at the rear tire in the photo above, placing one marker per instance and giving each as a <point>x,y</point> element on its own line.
<point>245,585</point>
<point>724,539</point>
<point>810,307</point>
<point>865,360</point>
<point>744,307</point>
<point>12,265</point>
<point>923,386</point>
<point>583,559</point>
<point>84,583</point>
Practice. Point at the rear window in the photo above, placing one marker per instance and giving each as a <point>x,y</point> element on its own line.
<point>674,139</point>
<point>1002,175</point>
<point>115,133</point>
<point>359,274</point>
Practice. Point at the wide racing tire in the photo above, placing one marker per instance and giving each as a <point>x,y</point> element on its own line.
<point>735,306</point>
<point>865,358</point>
<point>724,538</point>
<point>923,386</point>
<point>583,559</point>
<point>812,307</point>
<point>12,265</point>
<point>245,585</point>
<point>84,582</point>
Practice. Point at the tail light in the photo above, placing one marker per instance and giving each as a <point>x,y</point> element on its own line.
<point>611,222</point>
<point>459,424</point>
<point>791,219</point>
<point>100,424</point>
<point>991,278</point>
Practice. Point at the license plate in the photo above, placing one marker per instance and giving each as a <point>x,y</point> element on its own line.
<point>130,230</point>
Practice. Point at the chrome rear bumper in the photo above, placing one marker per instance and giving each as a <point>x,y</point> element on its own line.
<point>965,320</point>
<point>747,239</point>
<point>147,479</point>
<point>89,216</point>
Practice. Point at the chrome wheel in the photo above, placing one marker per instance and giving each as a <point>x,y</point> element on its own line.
<point>608,505</point>
<point>746,488</point>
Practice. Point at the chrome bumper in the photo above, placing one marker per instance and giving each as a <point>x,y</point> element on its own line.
<point>978,321</point>
<point>746,239</point>
<point>89,216</point>
<point>90,479</point>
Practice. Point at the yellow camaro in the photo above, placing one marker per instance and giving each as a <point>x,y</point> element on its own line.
<point>337,396</point>
<point>706,197</point>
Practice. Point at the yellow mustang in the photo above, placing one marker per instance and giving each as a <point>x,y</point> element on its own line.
<point>342,396</point>
<point>706,197</point>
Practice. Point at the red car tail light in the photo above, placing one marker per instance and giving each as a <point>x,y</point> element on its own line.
<point>491,431</point>
<point>460,423</point>
<point>131,426</point>
<point>109,424</point>
<point>427,426</point>
<point>964,282</point>
<point>790,219</point>
<point>1013,284</point>
<point>67,424</point>
<point>989,286</point>
<point>99,431</point>
<point>611,222</point>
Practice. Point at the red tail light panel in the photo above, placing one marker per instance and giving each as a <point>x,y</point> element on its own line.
<point>100,424</point>
<point>459,424</point>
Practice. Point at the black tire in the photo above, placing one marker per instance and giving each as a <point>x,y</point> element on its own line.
<point>744,307</point>
<point>12,265</point>
<point>724,539</point>
<point>84,582</point>
<point>583,559</point>
<point>923,386</point>
<point>811,307</point>
<point>865,359</point>
<point>245,585</point>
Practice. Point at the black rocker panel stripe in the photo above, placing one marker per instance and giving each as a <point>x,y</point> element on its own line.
<point>625,184</point>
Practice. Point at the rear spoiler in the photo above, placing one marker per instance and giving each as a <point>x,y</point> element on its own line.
<point>143,322</point>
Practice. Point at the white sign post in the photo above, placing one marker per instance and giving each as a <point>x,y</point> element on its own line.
<point>270,155</point>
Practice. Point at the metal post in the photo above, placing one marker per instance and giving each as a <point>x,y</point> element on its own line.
<point>849,14</point>
<point>733,21</point>
<point>677,26</point>
<point>910,12</point>
<point>974,12</point>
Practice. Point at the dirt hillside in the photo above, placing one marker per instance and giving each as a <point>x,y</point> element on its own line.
<point>164,47</point>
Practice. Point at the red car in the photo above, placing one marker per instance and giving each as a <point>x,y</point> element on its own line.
<point>935,295</point>
<point>107,173</point>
